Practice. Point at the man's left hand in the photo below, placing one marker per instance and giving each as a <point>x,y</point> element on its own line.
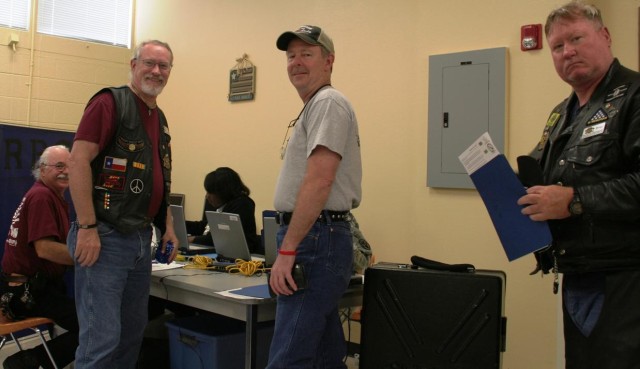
<point>281,280</point>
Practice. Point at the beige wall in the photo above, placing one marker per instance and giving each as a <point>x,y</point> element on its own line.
<point>49,84</point>
<point>381,65</point>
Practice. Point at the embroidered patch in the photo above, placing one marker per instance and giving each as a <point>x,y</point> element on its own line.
<point>117,164</point>
<point>138,165</point>
<point>599,116</point>
<point>594,130</point>
<point>111,182</point>
<point>617,92</point>
<point>543,139</point>
<point>553,119</point>
<point>136,186</point>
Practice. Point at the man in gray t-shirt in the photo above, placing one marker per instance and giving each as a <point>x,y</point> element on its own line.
<point>320,182</point>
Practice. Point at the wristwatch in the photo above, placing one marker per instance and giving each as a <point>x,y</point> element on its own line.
<point>575,206</point>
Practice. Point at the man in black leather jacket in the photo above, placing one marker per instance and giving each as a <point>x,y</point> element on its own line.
<point>590,156</point>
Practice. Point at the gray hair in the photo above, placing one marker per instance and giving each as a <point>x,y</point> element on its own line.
<point>42,160</point>
<point>574,10</point>
<point>138,49</point>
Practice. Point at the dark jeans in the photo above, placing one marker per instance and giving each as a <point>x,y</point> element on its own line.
<point>308,332</point>
<point>614,342</point>
<point>52,302</point>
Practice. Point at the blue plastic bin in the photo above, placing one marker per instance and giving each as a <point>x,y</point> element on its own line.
<point>214,342</point>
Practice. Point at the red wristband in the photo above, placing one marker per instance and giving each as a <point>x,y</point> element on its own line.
<point>287,252</point>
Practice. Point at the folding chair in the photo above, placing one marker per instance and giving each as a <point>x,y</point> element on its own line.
<point>8,328</point>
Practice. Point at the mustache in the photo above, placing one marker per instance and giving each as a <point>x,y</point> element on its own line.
<point>154,77</point>
<point>62,176</point>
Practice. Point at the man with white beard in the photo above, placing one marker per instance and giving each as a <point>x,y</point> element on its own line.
<point>120,179</point>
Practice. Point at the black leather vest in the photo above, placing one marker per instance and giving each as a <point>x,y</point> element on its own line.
<point>123,171</point>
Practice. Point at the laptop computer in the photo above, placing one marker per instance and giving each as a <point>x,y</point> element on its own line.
<point>269,234</point>
<point>176,199</point>
<point>180,228</point>
<point>228,237</point>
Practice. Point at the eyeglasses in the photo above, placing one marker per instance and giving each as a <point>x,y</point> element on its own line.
<point>59,166</point>
<point>148,63</point>
<point>285,141</point>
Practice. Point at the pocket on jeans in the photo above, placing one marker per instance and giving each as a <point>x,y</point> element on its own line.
<point>104,229</point>
<point>340,256</point>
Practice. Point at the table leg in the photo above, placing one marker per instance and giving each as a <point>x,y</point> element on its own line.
<point>251,337</point>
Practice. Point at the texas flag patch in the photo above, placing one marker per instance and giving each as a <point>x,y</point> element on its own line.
<point>117,164</point>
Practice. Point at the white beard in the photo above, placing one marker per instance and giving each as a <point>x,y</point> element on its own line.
<point>149,89</point>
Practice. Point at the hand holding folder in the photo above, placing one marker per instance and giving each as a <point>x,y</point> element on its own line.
<point>500,189</point>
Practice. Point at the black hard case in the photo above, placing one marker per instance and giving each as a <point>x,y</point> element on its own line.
<point>418,318</point>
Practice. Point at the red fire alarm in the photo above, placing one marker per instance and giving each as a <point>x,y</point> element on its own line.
<point>531,37</point>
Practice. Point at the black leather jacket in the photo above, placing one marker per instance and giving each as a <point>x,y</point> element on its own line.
<point>598,155</point>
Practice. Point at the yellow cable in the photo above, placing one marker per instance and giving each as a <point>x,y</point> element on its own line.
<point>243,267</point>
<point>199,262</point>
<point>247,268</point>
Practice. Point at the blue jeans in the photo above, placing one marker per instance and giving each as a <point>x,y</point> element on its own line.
<point>111,298</point>
<point>308,332</point>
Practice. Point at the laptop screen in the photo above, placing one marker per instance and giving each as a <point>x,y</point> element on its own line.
<point>179,225</point>
<point>270,232</point>
<point>176,199</point>
<point>180,228</point>
<point>228,236</point>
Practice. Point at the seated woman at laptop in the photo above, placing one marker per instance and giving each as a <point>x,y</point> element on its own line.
<point>227,193</point>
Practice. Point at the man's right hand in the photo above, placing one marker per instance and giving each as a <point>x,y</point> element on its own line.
<point>87,247</point>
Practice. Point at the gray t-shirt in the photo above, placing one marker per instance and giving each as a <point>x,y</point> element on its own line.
<point>327,120</point>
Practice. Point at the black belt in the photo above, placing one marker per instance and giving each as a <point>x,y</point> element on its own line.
<point>283,218</point>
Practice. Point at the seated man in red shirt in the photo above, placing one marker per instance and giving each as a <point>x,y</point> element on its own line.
<point>35,260</point>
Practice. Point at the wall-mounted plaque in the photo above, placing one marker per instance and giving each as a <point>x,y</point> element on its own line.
<point>242,80</point>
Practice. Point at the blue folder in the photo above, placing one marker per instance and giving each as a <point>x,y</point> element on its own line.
<point>261,290</point>
<point>500,189</point>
